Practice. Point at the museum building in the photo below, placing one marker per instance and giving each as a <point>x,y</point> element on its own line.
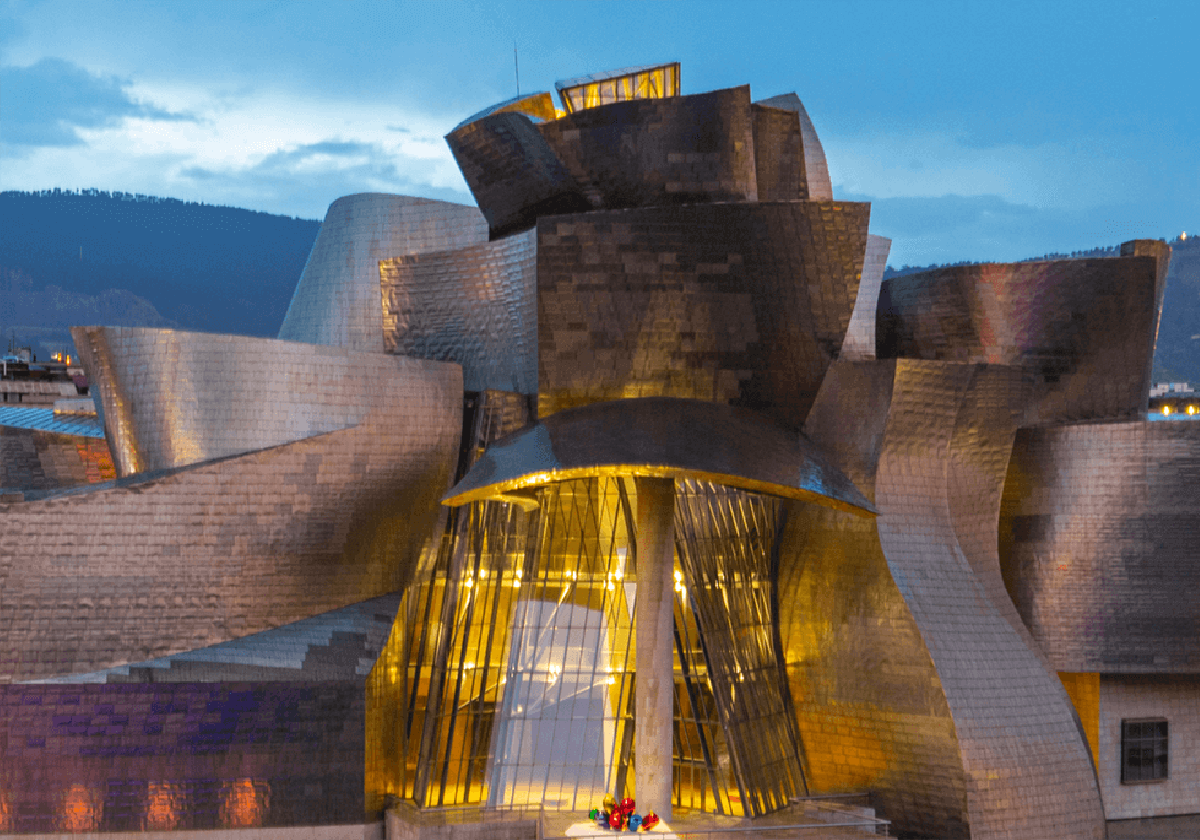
<point>637,479</point>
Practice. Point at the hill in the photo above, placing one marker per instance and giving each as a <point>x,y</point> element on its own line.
<point>194,266</point>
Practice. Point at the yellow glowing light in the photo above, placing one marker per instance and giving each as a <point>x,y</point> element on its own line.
<point>1166,409</point>
<point>1191,409</point>
<point>482,574</point>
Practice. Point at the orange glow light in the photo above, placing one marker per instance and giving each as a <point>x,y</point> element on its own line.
<point>244,804</point>
<point>163,806</point>
<point>81,809</point>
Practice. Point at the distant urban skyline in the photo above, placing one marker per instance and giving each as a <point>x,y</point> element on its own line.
<point>978,131</point>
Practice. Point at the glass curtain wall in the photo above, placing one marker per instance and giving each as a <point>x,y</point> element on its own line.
<point>510,675</point>
<point>725,542</point>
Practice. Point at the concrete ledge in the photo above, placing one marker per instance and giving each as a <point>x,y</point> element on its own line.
<point>369,831</point>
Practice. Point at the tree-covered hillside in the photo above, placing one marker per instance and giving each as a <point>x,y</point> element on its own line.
<point>195,266</point>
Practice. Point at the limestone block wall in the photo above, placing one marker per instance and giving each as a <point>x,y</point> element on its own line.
<point>1175,698</point>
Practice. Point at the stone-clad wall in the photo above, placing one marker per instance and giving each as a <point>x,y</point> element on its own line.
<point>1175,698</point>
<point>739,303</point>
<point>184,756</point>
<point>162,563</point>
<point>337,299</point>
<point>475,306</point>
<point>1098,537</point>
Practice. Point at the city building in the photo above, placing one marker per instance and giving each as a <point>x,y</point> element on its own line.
<point>638,480</point>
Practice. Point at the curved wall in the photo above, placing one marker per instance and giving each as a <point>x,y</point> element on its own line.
<point>860,337</point>
<point>172,561</point>
<point>1084,329</point>
<point>172,398</point>
<point>816,169</point>
<point>337,299</point>
<point>898,632</point>
<point>475,306</point>
<point>513,172</point>
<point>743,303</point>
<point>652,152</point>
<point>1098,544</point>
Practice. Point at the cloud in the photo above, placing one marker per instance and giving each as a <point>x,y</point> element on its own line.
<point>47,103</point>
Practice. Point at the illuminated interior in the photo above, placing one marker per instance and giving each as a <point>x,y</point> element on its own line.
<point>649,82</point>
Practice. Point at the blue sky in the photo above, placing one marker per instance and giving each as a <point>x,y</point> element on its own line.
<point>979,131</point>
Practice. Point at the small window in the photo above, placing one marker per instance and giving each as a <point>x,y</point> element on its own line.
<point>1143,751</point>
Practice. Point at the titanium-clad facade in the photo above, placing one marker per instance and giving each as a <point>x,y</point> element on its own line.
<point>866,526</point>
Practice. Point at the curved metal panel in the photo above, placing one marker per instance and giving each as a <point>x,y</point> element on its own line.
<point>744,304</point>
<point>816,169</point>
<point>1016,730</point>
<point>513,172</point>
<point>778,154</point>
<point>337,299</point>
<point>475,306</point>
<point>903,630</point>
<point>652,152</point>
<point>1098,544</point>
<point>1070,323</point>
<point>860,337</point>
<point>173,398</point>
<point>663,438</point>
<point>163,563</point>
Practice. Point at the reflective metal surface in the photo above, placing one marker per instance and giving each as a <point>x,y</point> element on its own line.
<point>662,438</point>
<point>653,152</point>
<point>744,304</point>
<point>1008,731</point>
<point>475,306</point>
<point>337,299</point>
<point>816,170</point>
<point>173,398</point>
<point>169,562</point>
<point>860,336</point>
<point>514,174</point>
<point>32,459</point>
<point>1097,539</point>
<point>1072,324</point>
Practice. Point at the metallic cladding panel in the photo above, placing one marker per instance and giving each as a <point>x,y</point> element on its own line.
<point>652,152</point>
<point>168,562</point>
<point>337,299</point>
<point>913,639</point>
<point>860,337</point>
<point>87,760</point>
<point>175,398</point>
<point>778,154</point>
<point>1098,544</point>
<point>661,438</point>
<point>1027,768</point>
<point>1083,329</point>
<point>31,459</point>
<point>744,304</point>
<point>816,169</point>
<point>514,174</point>
<point>475,306</point>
